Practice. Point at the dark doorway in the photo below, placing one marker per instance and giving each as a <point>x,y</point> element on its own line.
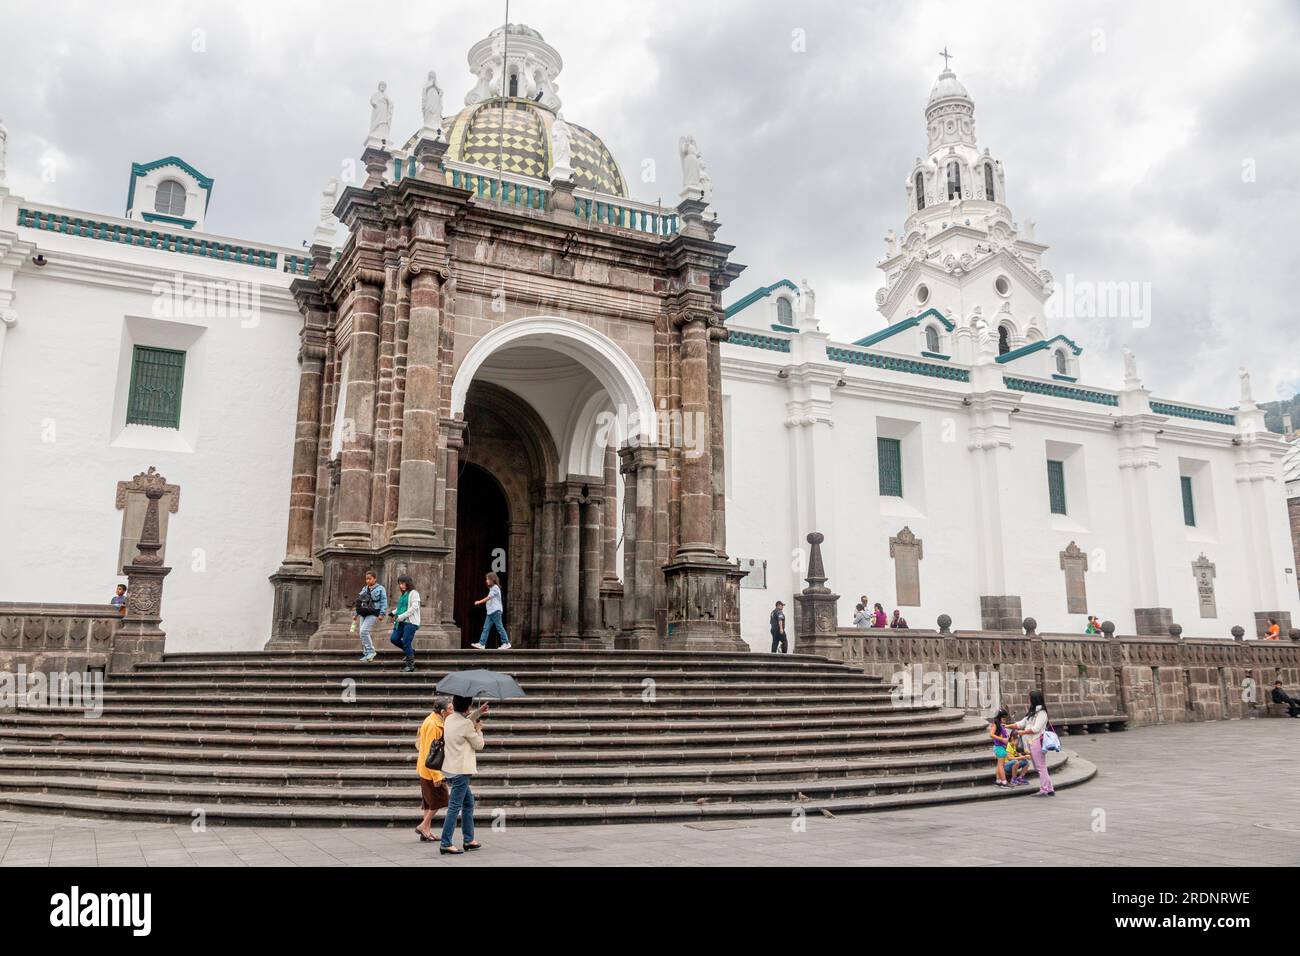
<point>482,541</point>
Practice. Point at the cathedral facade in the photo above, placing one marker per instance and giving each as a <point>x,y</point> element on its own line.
<point>492,357</point>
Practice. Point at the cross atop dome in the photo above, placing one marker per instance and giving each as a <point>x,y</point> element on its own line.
<point>946,57</point>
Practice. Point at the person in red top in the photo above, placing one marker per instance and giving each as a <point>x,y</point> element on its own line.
<point>878,618</point>
<point>1274,632</point>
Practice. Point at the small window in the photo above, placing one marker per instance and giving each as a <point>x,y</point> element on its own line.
<point>922,294</point>
<point>954,181</point>
<point>889,454</point>
<point>170,198</point>
<point>988,182</point>
<point>1002,285</point>
<point>784,312</point>
<point>931,338</point>
<point>514,84</point>
<point>1004,340</point>
<point>1056,486</point>
<point>920,192</point>
<point>157,376</point>
<point>1189,504</point>
<point>1062,364</point>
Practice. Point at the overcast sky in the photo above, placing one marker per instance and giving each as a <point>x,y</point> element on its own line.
<point>1154,142</point>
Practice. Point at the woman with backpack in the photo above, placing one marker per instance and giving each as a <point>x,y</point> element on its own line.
<point>1032,727</point>
<point>433,791</point>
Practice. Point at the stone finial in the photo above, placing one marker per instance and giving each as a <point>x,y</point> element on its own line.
<point>1176,631</point>
<point>1294,635</point>
<point>1030,626</point>
<point>1238,632</point>
<point>1108,628</point>
<point>945,624</point>
<point>816,570</point>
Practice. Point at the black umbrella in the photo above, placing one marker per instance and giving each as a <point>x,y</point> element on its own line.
<point>480,683</point>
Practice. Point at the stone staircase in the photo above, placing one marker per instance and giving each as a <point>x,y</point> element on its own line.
<point>319,739</point>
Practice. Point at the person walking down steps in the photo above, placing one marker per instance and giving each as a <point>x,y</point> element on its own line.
<point>406,621</point>
<point>493,618</point>
<point>371,606</point>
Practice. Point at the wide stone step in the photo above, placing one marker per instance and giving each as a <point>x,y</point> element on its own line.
<point>957,738</point>
<point>592,659</point>
<point>945,788</point>
<point>359,697</point>
<point>403,776</point>
<point>510,664</point>
<point>24,727</point>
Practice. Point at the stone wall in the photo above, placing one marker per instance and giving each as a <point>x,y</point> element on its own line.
<point>1151,680</point>
<point>62,637</point>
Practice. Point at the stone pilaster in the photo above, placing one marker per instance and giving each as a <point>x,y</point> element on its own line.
<point>548,624</point>
<point>570,568</point>
<point>593,513</point>
<point>353,527</point>
<point>1139,463</point>
<point>990,445</point>
<point>419,473</point>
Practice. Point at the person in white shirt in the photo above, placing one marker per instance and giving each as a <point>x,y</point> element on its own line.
<point>861,616</point>
<point>1031,728</point>
<point>406,621</point>
<point>462,738</point>
<point>493,618</point>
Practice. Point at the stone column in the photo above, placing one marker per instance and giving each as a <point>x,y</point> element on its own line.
<point>140,636</point>
<point>417,499</point>
<point>570,564</point>
<point>697,461</point>
<point>353,528</point>
<point>609,559</point>
<point>548,624</point>
<point>818,630</point>
<point>593,515</point>
<point>455,441</point>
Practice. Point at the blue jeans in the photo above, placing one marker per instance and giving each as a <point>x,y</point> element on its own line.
<point>460,804</point>
<point>489,622</point>
<point>403,636</point>
<point>367,625</point>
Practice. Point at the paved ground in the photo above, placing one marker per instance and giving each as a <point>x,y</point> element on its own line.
<point>1223,794</point>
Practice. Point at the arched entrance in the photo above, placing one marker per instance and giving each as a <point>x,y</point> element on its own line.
<point>482,545</point>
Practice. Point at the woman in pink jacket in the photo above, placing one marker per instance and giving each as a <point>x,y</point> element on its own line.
<point>1031,729</point>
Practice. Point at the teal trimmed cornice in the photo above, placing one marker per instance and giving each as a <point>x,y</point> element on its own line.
<point>909,323</point>
<point>757,294</point>
<point>935,355</point>
<point>1195,414</point>
<point>140,169</point>
<point>896,363</point>
<point>1033,347</point>
<point>174,220</point>
<point>757,340</point>
<point>1053,390</point>
<point>784,328</point>
<point>184,244</point>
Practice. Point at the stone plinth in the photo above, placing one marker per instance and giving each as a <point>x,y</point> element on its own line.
<point>817,628</point>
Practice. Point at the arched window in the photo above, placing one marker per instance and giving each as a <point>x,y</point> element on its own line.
<point>954,181</point>
<point>931,339</point>
<point>170,198</point>
<point>1004,340</point>
<point>514,83</point>
<point>1062,364</point>
<point>988,182</point>
<point>784,313</point>
<point>920,191</point>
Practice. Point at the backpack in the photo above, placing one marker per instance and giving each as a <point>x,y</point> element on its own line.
<point>366,603</point>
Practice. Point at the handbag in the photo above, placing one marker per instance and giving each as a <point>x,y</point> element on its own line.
<point>1050,740</point>
<point>437,750</point>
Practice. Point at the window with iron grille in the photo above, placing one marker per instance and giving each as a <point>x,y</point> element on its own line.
<point>1056,486</point>
<point>1189,505</point>
<point>170,198</point>
<point>889,455</point>
<point>157,376</point>
<point>784,312</point>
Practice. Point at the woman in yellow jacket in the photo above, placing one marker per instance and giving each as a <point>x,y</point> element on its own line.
<point>433,791</point>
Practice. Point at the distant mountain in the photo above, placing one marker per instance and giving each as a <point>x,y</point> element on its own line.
<point>1273,412</point>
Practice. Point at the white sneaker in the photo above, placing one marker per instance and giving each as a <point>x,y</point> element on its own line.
<point>478,647</point>
<point>369,657</point>
<point>504,647</point>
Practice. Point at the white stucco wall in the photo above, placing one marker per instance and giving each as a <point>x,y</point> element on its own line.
<point>64,447</point>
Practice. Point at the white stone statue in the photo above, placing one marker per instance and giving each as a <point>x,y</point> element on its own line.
<point>1246,397</point>
<point>1029,229</point>
<point>691,167</point>
<point>807,300</point>
<point>706,183</point>
<point>432,104</point>
<point>891,243</point>
<point>988,342</point>
<point>326,224</point>
<point>531,86</point>
<point>4,144</point>
<point>485,87</point>
<point>1131,379</point>
<point>381,117</point>
<point>550,97</point>
<point>561,149</point>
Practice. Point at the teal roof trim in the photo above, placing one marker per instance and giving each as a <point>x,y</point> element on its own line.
<point>757,294</point>
<point>757,340</point>
<point>897,363</point>
<point>1059,391</point>
<point>783,328</point>
<point>139,169</point>
<point>1033,347</point>
<point>1195,414</point>
<point>908,323</point>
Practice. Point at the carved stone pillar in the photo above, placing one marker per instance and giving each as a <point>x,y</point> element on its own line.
<point>548,624</point>
<point>140,636</point>
<point>817,628</point>
<point>353,529</point>
<point>697,459</point>
<point>419,474</point>
<point>593,514</point>
<point>570,565</point>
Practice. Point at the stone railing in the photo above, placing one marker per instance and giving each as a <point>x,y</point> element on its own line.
<point>65,637</point>
<point>1149,680</point>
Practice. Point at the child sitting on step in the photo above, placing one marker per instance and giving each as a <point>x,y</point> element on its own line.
<point>998,731</point>
<point>1017,762</point>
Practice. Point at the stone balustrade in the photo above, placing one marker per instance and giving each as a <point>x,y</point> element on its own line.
<point>64,637</point>
<point>1150,680</point>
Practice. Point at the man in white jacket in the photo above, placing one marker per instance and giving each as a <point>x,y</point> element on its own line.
<point>462,739</point>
